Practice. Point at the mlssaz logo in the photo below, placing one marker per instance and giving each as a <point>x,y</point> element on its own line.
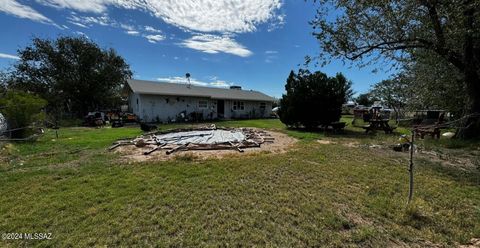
<point>32,236</point>
<point>39,236</point>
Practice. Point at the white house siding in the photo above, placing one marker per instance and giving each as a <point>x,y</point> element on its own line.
<point>153,108</point>
<point>168,108</point>
<point>251,110</point>
<point>133,107</point>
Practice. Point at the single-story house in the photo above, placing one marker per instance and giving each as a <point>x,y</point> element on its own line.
<point>155,101</point>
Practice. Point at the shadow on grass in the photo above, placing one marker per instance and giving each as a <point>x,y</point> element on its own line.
<point>470,177</point>
<point>415,217</point>
<point>352,134</point>
<point>316,133</point>
<point>452,143</point>
<point>345,133</point>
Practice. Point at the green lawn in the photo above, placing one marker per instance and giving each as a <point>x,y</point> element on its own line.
<point>315,195</point>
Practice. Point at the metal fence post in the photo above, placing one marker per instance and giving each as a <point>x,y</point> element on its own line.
<point>410,169</point>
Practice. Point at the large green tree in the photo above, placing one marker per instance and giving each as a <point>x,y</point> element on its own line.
<point>393,93</point>
<point>74,74</point>
<point>313,99</point>
<point>21,110</point>
<point>433,83</point>
<point>3,82</point>
<point>366,99</point>
<point>366,31</point>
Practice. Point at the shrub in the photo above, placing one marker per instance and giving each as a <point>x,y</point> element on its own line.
<point>22,110</point>
<point>313,99</point>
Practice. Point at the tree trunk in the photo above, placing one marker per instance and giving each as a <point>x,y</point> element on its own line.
<point>471,127</point>
<point>471,76</point>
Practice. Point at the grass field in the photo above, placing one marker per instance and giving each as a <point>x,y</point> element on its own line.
<point>341,193</point>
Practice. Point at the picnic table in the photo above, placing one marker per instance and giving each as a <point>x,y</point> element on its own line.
<point>378,124</point>
<point>430,125</point>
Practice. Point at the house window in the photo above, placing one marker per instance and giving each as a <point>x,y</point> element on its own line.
<point>202,104</point>
<point>238,105</point>
<point>263,106</point>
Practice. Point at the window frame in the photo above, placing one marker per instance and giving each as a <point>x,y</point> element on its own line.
<point>201,105</point>
<point>238,105</point>
<point>263,105</point>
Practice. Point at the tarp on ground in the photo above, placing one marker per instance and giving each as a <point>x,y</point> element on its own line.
<point>203,137</point>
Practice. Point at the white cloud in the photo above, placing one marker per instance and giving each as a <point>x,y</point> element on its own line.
<point>224,17</point>
<point>78,24</point>
<point>183,80</point>
<point>236,16</point>
<point>132,32</point>
<point>152,29</point>
<point>103,20</point>
<point>82,34</point>
<point>277,23</point>
<point>220,83</point>
<point>216,44</point>
<point>127,26</point>
<point>271,55</point>
<point>8,56</point>
<point>270,59</point>
<point>12,7</point>
<point>96,6</point>
<point>154,38</point>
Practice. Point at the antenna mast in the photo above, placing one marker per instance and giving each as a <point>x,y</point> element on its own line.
<point>188,79</point>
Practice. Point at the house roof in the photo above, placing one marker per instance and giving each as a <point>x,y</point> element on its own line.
<point>174,89</point>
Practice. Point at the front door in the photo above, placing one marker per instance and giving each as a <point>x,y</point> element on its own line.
<point>220,108</point>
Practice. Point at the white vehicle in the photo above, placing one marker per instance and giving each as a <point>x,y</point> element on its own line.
<point>3,124</point>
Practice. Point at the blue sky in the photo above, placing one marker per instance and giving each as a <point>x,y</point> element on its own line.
<point>251,43</point>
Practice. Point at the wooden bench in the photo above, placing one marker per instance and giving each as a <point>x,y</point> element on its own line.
<point>421,132</point>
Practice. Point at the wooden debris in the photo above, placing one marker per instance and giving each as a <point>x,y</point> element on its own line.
<point>253,138</point>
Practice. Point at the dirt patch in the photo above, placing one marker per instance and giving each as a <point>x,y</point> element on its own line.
<point>474,243</point>
<point>281,143</point>
<point>464,161</point>
<point>326,142</point>
<point>352,216</point>
<point>347,143</point>
<point>351,144</point>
